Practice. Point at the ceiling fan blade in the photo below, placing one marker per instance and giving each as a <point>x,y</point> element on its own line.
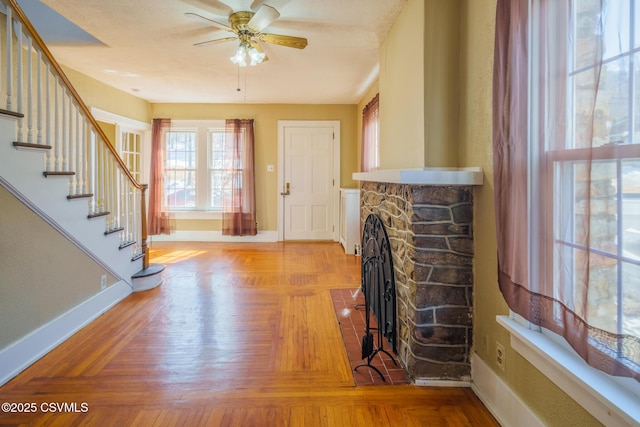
<point>263,18</point>
<point>210,42</point>
<point>278,4</point>
<point>215,7</point>
<point>208,21</point>
<point>288,41</point>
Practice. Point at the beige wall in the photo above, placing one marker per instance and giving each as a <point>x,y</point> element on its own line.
<point>266,150</point>
<point>441,82</point>
<point>109,130</point>
<point>419,76</point>
<point>401,84</point>
<point>35,260</point>
<point>99,95</point>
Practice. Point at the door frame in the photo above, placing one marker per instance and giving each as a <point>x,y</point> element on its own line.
<point>335,124</point>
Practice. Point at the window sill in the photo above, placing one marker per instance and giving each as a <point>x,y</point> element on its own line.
<point>600,394</point>
<point>196,214</point>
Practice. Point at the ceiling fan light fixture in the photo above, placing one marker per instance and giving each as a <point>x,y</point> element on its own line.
<point>246,51</point>
<point>240,57</point>
<point>256,57</point>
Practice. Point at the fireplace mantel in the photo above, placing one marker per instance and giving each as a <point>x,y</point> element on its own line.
<point>424,176</point>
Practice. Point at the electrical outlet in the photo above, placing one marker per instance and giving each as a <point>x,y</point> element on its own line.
<point>103,282</point>
<point>500,356</point>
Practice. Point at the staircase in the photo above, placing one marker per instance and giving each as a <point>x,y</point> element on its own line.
<point>55,158</point>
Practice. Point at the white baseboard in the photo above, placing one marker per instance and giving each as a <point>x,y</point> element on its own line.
<point>213,236</point>
<point>27,350</point>
<point>498,397</point>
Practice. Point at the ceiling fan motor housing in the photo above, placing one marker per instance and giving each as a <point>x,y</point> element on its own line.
<point>239,21</point>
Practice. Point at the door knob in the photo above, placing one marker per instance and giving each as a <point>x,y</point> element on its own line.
<point>287,190</point>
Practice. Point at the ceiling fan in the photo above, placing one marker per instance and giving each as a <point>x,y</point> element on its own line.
<point>247,27</point>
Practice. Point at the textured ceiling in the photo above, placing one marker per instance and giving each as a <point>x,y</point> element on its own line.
<point>145,47</point>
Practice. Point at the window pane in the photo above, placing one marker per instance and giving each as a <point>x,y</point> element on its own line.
<point>215,201</point>
<point>631,299</point>
<point>609,123</point>
<point>631,209</point>
<point>180,189</point>
<point>586,252</point>
<point>586,30</point>
<point>217,142</point>
<point>636,94</point>
<point>636,26</point>
<point>616,28</point>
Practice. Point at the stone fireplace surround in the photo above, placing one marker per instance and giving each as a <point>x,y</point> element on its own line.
<point>428,215</point>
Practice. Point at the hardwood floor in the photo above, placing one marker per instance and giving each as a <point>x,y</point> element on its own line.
<point>237,335</point>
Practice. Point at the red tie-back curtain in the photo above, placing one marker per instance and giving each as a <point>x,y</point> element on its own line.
<point>369,160</point>
<point>239,199</point>
<point>159,221</point>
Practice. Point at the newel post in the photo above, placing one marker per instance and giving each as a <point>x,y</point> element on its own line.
<point>143,214</point>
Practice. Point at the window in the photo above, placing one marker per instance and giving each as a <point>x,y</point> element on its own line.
<point>589,168</point>
<point>566,172</point>
<point>195,166</point>
<point>222,162</point>
<point>180,169</point>
<point>130,149</point>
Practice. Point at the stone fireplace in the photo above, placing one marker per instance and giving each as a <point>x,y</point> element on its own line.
<point>428,216</point>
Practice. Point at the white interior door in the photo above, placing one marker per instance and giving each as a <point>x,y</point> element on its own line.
<point>309,175</point>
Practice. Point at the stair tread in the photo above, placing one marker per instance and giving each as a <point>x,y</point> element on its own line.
<point>149,271</point>
<point>79,196</point>
<point>11,113</point>
<point>51,173</point>
<point>31,145</point>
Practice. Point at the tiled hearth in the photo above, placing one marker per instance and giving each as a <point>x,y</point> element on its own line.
<point>349,305</point>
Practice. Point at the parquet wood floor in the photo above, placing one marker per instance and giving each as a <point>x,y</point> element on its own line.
<point>237,335</point>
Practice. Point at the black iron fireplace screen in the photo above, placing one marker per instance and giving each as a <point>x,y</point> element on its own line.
<point>378,286</point>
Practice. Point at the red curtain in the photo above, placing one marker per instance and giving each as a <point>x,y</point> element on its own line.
<point>239,199</point>
<point>370,158</point>
<point>159,221</point>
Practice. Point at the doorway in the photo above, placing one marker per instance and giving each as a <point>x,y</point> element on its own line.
<point>308,179</point>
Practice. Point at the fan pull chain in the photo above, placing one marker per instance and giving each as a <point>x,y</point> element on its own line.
<point>238,89</point>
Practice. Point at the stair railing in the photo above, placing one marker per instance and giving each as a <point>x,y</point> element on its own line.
<point>52,116</point>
